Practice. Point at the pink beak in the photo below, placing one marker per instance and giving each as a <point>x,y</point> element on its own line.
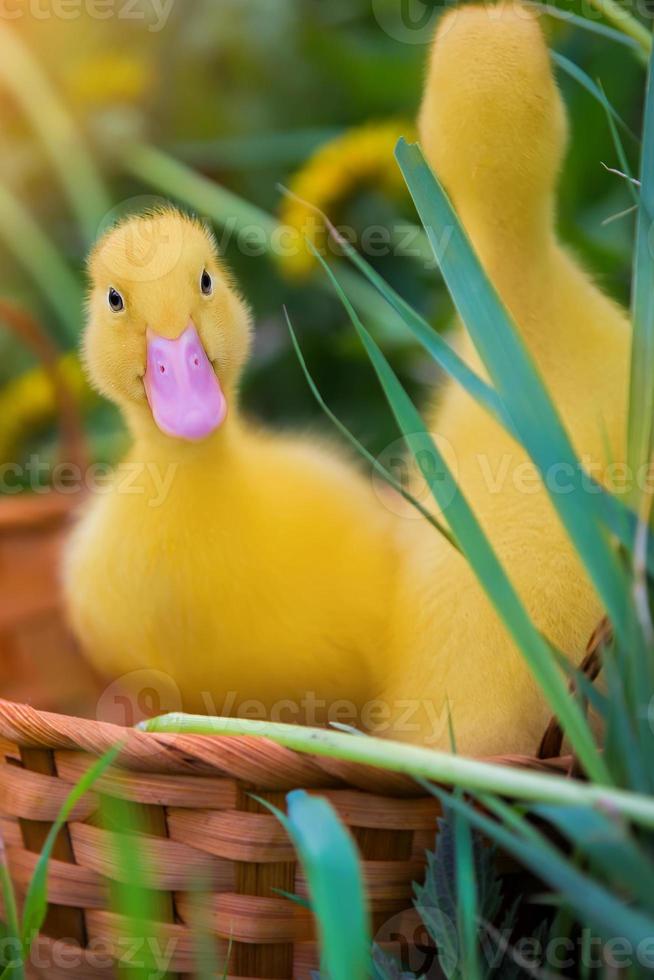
<point>185,396</point>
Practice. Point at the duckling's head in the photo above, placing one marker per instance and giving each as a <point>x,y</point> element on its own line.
<point>167,333</point>
<point>492,121</point>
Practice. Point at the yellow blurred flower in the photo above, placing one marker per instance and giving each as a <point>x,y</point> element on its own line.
<point>110,79</point>
<point>28,402</point>
<point>361,156</point>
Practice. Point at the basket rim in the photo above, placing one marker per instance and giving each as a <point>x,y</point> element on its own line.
<point>254,760</point>
<point>26,510</point>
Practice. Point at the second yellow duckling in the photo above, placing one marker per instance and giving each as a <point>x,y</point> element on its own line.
<point>493,127</point>
<point>251,567</point>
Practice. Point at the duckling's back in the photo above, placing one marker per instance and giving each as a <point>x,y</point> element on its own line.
<point>493,127</point>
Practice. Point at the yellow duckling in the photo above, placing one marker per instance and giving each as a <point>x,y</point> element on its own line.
<point>248,566</point>
<point>494,129</point>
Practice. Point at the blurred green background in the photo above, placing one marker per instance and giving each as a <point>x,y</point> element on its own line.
<point>244,93</point>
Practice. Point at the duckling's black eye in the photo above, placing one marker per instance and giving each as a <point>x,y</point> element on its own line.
<point>115,300</point>
<point>206,283</point>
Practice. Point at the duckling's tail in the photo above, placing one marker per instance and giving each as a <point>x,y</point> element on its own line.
<point>492,123</point>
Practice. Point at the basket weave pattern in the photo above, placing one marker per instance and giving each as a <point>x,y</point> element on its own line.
<point>215,856</point>
<point>194,795</point>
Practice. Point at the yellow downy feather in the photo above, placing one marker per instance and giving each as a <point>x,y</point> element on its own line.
<point>493,127</point>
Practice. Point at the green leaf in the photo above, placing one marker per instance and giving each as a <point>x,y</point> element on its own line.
<point>36,899</point>
<point>332,868</point>
<point>609,845</point>
<point>641,389</point>
<point>607,913</point>
<point>586,24</point>
<point>518,384</point>
<point>419,763</point>
<point>23,236</point>
<point>384,967</point>
<point>617,143</point>
<point>446,358</point>
<point>442,903</point>
<point>230,211</point>
<point>477,549</point>
<point>579,75</point>
<point>616,516</point>
<point>436,902</point>
<point>21,72</point>
<point>466,890</point>
<point>138,906</point>
<point>11,938</point>
<point>372,460</point>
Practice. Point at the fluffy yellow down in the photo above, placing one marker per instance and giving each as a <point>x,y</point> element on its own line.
<point>493,127</point>
<point>249,568</point>
<point>257,566</point>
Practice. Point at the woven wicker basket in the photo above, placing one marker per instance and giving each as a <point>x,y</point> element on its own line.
<point>193,793</point>
<point>39,662</point>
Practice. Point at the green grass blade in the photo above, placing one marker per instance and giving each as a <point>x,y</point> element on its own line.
<point>466,892</point>
<point>609,846</point>
<point>24,238</point>
<point>446,358</point>
<point>376,465</point>
<point>616,517</point>
<point>619,146</point>
<point>519,386</point>
<point>580,76</point>
<point>617,15</point>
<point>332,867</point>
<point>22,75</point>
<point>233,214</point>
<point>641,391</point>
<point>593,26</point>
<point>36,899</point>
<point>473,775</point>
<point>287,150</point>
<point>608,914</point>
<point>478,551</point>
<point>139,907</point>
<point>11,940</point>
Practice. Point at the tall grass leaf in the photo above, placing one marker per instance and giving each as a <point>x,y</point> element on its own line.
<point>22,75</point>
<point>11,938</point>
<point>418,762</point>
<point>618,144</point>
<point>466,888</point>
<point>616,516</point>
<point>446,358</point>
<point>36,899</point>
<point>580,76</point>
<point>233,215</point>
<point>517,382</point>
<point>586,24</point>
<point>384,967</point>
<point>24,238</point>
<point>622,748</point>
<point>605,911</point>
<point>619,16</point>
<point>257,150</point>
<point>376,465</point>
<point>477,549</point>
<point>332,868</point>
<point>641,389</point>
<point>608,844</point>
<point>137,905</point>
